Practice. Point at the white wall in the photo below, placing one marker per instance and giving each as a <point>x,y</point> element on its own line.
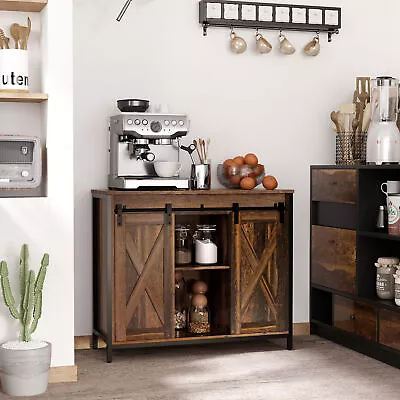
<point>274,105</point>
<point>46,224</point>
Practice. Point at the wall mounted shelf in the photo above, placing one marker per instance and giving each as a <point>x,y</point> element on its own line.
<point>25,5</point>
<point>238,14</point>
<point>6,97</point>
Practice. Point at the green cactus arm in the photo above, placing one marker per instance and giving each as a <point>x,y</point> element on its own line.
<point>7,292</point>
<point>37,312</point>
<point>30,295</point>
<point>42,274</point>
<point>23,272</point>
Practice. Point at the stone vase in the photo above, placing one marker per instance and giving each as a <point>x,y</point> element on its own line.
<point>25,372</point>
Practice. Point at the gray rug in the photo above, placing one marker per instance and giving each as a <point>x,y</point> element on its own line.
<point>316,369</point>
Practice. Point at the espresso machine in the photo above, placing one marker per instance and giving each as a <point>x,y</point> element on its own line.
<point>383,140</point>
<point>140,139</point>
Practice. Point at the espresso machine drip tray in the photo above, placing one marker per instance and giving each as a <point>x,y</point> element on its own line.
<point>126,183</point>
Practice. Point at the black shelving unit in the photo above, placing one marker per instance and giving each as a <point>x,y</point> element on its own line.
<point>344,204</point>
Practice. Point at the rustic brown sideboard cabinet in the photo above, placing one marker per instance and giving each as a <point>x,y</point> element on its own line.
<point>250,288</point>
<point>345,245</point>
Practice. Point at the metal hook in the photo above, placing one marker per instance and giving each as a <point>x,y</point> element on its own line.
<point>205,26</point>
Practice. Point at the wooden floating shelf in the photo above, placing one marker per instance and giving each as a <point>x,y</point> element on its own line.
<point>24,5</point>
<point>379,235</point>
<point>10,97</point>
<point>200,267</point>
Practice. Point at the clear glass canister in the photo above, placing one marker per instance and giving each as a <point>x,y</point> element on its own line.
<point>199,315</point>
<point>181,304</point>
<point>206,250</point>
<point>183,244</point>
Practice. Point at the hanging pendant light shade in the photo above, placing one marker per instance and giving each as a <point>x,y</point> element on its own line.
<point>123,11</point>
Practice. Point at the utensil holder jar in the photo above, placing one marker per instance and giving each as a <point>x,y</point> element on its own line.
<point>351,148</point>
<point>14,70</point>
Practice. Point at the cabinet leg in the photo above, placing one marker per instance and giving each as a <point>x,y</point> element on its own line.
<point>109,354</point>
<point>95,341</point>
<point>289,342</point>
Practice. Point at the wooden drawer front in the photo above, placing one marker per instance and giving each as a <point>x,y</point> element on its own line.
<point>336,185</point>
<point>333,259</point>
<point>355,317</point>
<point>389,329</point>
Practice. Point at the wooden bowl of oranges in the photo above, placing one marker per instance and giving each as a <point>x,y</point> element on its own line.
<point>241,172</point>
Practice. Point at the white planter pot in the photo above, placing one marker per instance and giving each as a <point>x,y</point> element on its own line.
<point>24,372</point>
<point>14,70</point>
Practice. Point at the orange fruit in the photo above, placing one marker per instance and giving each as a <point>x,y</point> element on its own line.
<point>251,159</point>
<point>239,160</point>
<point>270,182</point>
<point>234,180</point>
<point>248,183</point>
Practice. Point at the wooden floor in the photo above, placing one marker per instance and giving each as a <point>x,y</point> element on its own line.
<point>316,369</point>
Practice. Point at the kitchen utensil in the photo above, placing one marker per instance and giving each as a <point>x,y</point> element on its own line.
<point>335,120</point>
<point>354,125</point>
<point>313,48</point>
<point>23,33</point>
<point>363,88</point>
<point>133,105</point>
<point>14,32</point>
<point>4,41</point>
<point>238,45</point>
<point>262,44</point>
<point>197,148</point>
<point>348,113</point>
<point>190,149</point>
<point>366,118</point>
<point>201,176</point>
<point>285,46</point>
<point>383,143</point>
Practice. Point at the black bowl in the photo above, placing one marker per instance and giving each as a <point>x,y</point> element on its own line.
<point>133,105</point>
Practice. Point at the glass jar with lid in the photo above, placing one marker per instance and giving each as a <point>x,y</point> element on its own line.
<point>206,251</point>
<point>199,315</point>
<point>181,301</point>
<point>183,244</point>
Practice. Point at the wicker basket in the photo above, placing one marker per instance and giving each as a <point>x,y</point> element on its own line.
<point>351,148</point>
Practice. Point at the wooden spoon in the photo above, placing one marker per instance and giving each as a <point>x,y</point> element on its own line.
<point>335,120</point>
<point>14,32</point>
<point>4,40</point>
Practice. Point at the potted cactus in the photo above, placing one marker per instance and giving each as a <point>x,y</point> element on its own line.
<point>25,363</point>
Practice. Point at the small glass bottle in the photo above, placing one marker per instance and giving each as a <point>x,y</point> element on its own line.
<point>183,245</point>
<point>180,302</point>
<point>205,244</point>
<point>199,315</point>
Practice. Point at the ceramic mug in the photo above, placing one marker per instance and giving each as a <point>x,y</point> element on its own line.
<point>392,187</point>
<point>393,207</point>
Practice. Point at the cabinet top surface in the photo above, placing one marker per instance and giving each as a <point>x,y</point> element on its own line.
<point>219,192</point>
<point>356,167</point>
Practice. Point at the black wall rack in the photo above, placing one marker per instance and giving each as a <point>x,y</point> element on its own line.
<point>238,14</point>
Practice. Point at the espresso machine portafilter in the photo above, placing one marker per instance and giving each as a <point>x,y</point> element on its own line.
<point>137,140</point>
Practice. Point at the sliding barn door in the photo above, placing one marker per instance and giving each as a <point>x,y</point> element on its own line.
<point>260,274</point>
<point>143,277</point>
